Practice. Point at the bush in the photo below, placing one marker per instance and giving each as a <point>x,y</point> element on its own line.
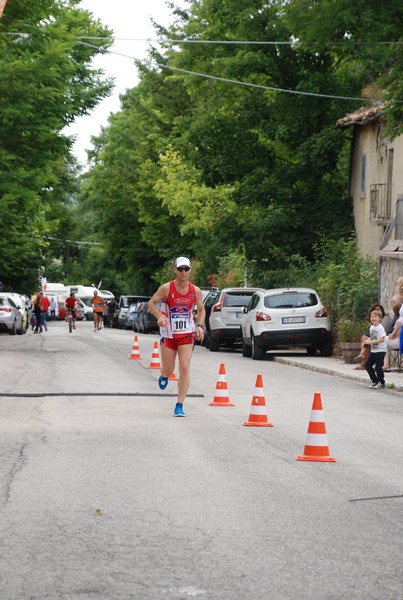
<point>350,331</point>
<point>348,283</point>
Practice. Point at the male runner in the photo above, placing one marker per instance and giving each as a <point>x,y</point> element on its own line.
<point>97,307</point>
<point>177,326</point>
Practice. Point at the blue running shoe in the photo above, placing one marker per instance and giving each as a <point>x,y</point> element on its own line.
<point>163,382</point>
<point>178,412</point>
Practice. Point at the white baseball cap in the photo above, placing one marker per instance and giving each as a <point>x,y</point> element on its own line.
<point>182,261</point>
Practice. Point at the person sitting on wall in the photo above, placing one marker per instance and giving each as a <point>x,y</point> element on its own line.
<point>392,330</point>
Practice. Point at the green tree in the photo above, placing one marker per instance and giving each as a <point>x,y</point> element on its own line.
<point>231,174</point>
<point>46,80</point>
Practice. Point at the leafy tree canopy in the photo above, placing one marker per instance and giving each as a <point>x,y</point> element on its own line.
<point>46,81</point>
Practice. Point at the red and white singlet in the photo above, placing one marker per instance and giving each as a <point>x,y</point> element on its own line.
<point>178,310</point>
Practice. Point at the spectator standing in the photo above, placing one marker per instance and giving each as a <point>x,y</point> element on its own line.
<point>105,314</point>
<point>111,312</point>
<point>37,312</point>
<point>363,355</point>
<point>28,304</point>
<point>53,307</point>
<point>377,346</point>
<point>45,304</point>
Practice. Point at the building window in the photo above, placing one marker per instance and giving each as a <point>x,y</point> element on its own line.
<point>363,168</point>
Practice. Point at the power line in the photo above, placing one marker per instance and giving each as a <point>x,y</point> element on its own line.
<point>296,42</point>
<point>242,83</point>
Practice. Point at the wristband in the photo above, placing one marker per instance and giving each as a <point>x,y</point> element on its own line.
<point>199,325</point>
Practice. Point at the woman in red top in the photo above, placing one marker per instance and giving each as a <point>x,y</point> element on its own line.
<point>177,327</point>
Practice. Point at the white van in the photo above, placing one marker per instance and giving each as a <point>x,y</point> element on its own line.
<point>85,293</point>
<point>82,292</point>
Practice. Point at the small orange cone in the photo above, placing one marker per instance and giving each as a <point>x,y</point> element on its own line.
<point>135,355</point>
<point>173,377</point>
<point>155,358</point>
<point>316,446</point>
<point>221,397</point>
<point>258,412</point>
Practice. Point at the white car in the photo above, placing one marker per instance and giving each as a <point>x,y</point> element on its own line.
<point>11,319</point>
<point>21,302</point>
<point>285,318</point>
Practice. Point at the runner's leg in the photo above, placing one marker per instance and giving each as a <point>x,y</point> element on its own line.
<point>185,356</point>
<point>168,356</point>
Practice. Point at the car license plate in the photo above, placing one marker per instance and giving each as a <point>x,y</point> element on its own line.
<point>290,320</point>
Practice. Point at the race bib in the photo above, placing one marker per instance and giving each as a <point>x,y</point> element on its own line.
<point>180,323</point>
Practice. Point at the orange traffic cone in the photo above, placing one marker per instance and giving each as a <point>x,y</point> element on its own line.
<point>173,377</point>
<point>221,397</point>
<point>316,447</point>
<point>258,412</point>
<point>135,355</point>
<point>155,358</point>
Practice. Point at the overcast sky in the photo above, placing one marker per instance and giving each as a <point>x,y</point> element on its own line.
<point>128,19</point>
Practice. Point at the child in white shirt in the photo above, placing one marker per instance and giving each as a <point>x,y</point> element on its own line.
<point>378,347</point>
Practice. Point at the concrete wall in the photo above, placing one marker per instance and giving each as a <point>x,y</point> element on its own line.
<point>371,142</point>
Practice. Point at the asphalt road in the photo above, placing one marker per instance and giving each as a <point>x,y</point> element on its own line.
<point>105,495</point>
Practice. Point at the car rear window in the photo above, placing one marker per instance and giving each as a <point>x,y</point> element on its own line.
<point>127,300</point>
<point>237,299</point>
<point>291,300</point>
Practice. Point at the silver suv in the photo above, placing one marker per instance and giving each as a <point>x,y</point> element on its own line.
<point>284,318</point>
<point>223,316</point>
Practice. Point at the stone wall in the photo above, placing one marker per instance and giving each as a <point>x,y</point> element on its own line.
<point>390,269</point>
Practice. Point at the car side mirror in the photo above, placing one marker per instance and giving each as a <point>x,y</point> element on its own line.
<point>244,310</point>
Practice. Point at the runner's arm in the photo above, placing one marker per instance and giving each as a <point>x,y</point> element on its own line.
<point>159,296</point>
<point>201,314</point>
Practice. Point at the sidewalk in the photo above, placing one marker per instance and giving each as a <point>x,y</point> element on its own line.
<point>336,367</point>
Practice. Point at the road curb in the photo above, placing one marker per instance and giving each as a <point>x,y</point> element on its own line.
<point>332,372</point>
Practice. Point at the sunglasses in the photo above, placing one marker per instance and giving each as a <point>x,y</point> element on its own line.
<point>183,269</point>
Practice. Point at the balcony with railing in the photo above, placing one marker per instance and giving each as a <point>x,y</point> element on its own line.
<point>380,203</point>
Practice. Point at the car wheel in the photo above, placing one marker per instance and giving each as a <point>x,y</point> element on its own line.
<point>326,349</point>
<point>13,330</point>
<point>311,350</point>
<point>257,351</point>
<point>246,350</point>
<point>20,331</point>
<point>213,345</point>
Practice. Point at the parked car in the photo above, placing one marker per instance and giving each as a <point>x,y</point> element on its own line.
<point>137,314</point>
<point>223,316</point>
<point>147,321</point>
<point>285,318</point>
<point>123,306</point>
<point>129,317</point>
<point>21,302</point>
<point>86,311</point>
<point>11,318</point>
